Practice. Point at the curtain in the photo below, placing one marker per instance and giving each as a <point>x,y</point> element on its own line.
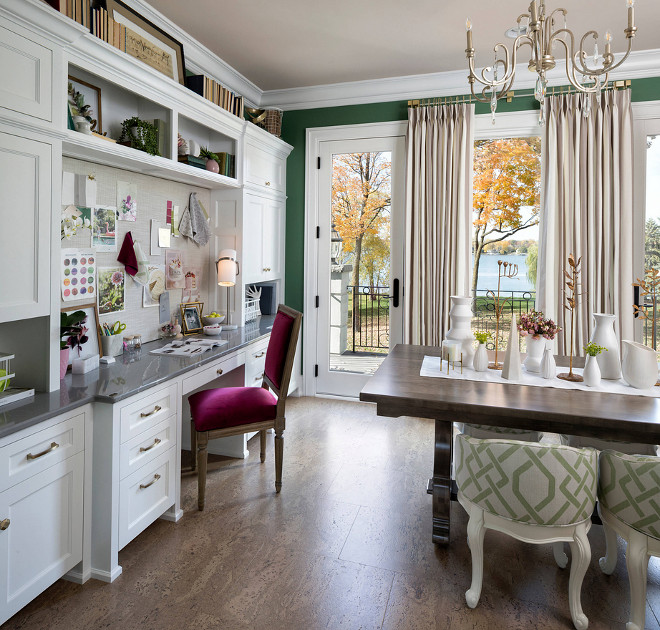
<point>438,214</point>
<point>587,210</point>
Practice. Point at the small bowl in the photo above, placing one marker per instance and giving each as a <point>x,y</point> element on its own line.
<point>212,321</point>
<point>212,330</point>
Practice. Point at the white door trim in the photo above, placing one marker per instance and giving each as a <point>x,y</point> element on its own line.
<point>314,137</point>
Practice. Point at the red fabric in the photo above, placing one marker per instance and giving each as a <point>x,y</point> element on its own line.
<point>231,407</point>
<point>278,346</point>
<point>127,255</point>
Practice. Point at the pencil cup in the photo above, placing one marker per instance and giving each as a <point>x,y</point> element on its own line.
<point>112,345</point>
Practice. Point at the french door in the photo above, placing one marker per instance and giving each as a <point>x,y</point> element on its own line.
<point>359,265</point>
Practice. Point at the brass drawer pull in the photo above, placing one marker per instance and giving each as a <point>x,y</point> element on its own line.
<point>4,524</point>
<point>52,447</point>
<point>150,413</point>
<point>144,449</point>
<point>258,356</point>
<point>266,269</point>
<point>267,183</point>
<point>219,371</point>
<point>151,483</point>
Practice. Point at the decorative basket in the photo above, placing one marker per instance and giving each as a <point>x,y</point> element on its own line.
<point>252,310</point>
<point>268,119</point>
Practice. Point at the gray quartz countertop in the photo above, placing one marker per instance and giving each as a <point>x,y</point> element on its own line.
<point>128,375</point>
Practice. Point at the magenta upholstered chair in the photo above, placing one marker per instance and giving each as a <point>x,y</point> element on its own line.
<point>229,411</point>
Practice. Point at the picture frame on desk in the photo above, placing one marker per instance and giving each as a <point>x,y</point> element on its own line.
<point>148,43</point>
<point>93,344</point>
<point>191,318</point>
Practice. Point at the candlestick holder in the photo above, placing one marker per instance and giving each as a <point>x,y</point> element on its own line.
<point>504,270</point>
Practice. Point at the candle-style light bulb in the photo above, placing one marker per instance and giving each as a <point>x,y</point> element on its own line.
<point>468,29</point>
<point>468,25</point>
<point>631,13</point>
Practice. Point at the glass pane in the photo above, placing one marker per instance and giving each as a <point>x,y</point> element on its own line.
<point>506,203</point>
<point>652,233</point>
<point>360,261</point>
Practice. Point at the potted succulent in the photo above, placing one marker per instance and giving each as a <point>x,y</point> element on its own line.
<point>480,361</point>
<point>591,373</point>
<point>73,333</point>
<point>538,329</point>
<point>140,134</point>
<point>212,160</point>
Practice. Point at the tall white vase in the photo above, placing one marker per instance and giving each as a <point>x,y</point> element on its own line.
<point>511,370</point>
<point>609,362</point>
<point>460,317</point>
<point>534,350</point>
<point>548,364</point>
<point>640,365</point>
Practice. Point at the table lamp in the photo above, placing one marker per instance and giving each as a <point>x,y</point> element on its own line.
<point>227,268</point>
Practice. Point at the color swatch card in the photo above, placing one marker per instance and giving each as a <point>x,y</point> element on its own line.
<point>78,274</point>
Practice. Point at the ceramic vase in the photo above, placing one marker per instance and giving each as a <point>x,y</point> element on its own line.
<point>82,125</point>
<point>640,365</point>
<point>548,364</point>
<point>512,369</point>
<point>460,318</point>
<point>591,372</point>
<point>535,348</point>
<point>64,362</point>
<point>609,362</point>
<point>212,166</point>
<point>480,360</point>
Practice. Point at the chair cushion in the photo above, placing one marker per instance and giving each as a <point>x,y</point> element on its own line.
<point>630,448</point>
<point>531,483</point>
<point>231,406</point>
<point>278,346</point>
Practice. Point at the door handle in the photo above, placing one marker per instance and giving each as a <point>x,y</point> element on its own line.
<point>395,293</point>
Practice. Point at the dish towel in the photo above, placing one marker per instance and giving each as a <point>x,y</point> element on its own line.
<point>142,275</point>
<point>193,222</point>
<point>127,255</point>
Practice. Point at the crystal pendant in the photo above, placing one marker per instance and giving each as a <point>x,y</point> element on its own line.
<point>587,106</point>
<point>542,116</point>
<point>595,53</point>
<point>493,105</point>
<point>539,91</point>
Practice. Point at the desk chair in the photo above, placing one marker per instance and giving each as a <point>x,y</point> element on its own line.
<point>628,496</point>
<point>537,493</point>
<point>226,411</point>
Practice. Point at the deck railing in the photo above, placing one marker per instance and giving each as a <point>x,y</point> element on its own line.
<point>369,318</point>
<point>484,319</point>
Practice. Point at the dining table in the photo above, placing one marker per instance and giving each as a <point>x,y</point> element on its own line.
<point>398,390</point>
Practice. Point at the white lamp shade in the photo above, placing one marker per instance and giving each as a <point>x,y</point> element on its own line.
<point>226,266</point>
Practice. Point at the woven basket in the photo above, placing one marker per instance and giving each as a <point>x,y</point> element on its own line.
<point>268,119</point>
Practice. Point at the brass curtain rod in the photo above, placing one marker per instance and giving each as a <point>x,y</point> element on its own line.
<point>467,98</point>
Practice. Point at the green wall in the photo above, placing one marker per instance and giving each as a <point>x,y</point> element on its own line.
<point>294,126</point>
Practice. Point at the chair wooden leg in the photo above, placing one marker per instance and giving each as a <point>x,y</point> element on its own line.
<point>608,563</point>
<point>202,458</point>
<point>580,558</point>
<point>279,452</point>
<point>560,555</point>
<point>262,443</point>
<point>193,446</point>
<point>475,532</point>
<point>637,562</point>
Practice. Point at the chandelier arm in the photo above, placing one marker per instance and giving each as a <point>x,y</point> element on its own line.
<point>520,41</point>
<point>571,71</point>
<point>625,56</point>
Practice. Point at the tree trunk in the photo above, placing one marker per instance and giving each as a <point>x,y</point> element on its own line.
<point>478,247</point>
<point>355,280</point>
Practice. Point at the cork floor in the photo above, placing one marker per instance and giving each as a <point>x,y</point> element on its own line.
<point>347,544</point>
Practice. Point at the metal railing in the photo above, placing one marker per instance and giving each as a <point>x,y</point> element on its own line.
<point>369,314</point>
<point>483,308</point>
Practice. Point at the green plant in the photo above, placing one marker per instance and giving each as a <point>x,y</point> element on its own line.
<point>144,138</point>
<point>209,155</point>
<point>72,331</point>
<point>482,337</point>
<point>593,349</point>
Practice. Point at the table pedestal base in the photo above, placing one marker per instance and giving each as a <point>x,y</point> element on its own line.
<point>442,480</point>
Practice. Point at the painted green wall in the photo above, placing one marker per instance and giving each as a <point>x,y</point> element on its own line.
<point>294,127</point>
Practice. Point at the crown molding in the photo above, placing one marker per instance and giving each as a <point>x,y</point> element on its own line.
<point>640,64</point>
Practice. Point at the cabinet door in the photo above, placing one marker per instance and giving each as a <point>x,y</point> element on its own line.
<point>44,537</point>
<point>271,242</point>
<point>25,181</point>
<point>264,168</point>
<point>253,212</point>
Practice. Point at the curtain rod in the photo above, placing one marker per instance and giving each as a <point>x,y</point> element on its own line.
<point>467,98</point>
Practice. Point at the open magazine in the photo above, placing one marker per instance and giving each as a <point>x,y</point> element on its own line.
<point>189,347</point>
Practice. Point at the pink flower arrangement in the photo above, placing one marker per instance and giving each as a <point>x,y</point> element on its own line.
<point>536,325</point>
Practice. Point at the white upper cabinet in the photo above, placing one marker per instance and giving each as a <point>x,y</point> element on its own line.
<point>264,169</point>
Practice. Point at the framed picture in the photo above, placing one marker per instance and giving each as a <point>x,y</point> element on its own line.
<point>85,95</point>
<point>148,43</point>
<point>93,344</point>
<point>191,317</point>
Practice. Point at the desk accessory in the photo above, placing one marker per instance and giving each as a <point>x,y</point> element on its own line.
<point>10,394</point>
<point>82,366</point>
<point>227,268</point>
<point>191,317</point>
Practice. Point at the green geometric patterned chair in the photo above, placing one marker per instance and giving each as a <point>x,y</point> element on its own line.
<point>629,448</point>
<point>537,493</point>
<point>629,505</point>
<point>486,432</point>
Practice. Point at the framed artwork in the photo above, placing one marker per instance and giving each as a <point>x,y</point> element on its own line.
<point>110,292</point>
<point>148,43</point>
<point>85,96</point>
<point>104,225</point>
<point>191,317</point>
<point>93,344</point>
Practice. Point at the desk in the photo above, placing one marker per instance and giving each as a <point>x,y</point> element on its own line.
<point>399,390</point>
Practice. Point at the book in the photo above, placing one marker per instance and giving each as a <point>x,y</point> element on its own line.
<point>193,347</point>
<point>192,160</point>
<point>161,130</point>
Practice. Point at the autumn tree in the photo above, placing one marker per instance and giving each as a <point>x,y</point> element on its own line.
<point>360,199</point>
<point>652,249</point>
<point>506,179</point>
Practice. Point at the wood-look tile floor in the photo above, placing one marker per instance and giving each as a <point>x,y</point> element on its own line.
<point>347,544</point>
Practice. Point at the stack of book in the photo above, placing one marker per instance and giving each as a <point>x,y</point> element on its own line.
<point>105,28</point>
<point>77,10</point>
<point>216,93</point>
<point>192,160</point>
<point>227,163</point>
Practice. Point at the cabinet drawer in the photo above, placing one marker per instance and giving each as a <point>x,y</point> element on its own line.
<point>145,495</point>
<point>264,169</point>
<point>44,448</point>
<point>207,374</point>
<point>147,446</point>
<point>150,409</point>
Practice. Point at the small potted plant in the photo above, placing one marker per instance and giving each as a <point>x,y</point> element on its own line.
<point>538,329</point>
<point>73,334</point>
<point>140,134</point>
<point>591,373</point>
<point>212,160</point>
<point>480,361</point>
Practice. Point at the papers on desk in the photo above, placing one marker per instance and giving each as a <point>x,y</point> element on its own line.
<point>189,347</point>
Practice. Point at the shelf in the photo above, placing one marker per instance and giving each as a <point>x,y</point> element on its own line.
<point>84,147</point>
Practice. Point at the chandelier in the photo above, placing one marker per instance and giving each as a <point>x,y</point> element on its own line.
<point>541,31</point>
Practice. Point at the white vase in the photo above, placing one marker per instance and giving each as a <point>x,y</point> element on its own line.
<point>640,365</point>
<point>591,372</point>
<point>480,360</point>
<point>535,348</point>
<point>460,318</point>
<point>548,364</point>
<point>512,369</point>
<point>609,362</point>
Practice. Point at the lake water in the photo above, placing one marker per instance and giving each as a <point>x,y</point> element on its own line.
<point>488,270</point>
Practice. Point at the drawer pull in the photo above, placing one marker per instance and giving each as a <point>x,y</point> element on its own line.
<point>266,269</point>
<point>267,183</point>
<point>151,483</point>
<point>150,413</point>
<point>144,449</point>
<point>4,524</point>
<point>258,377</point>
<point>258,356</point>
<point>52,447</point>
<point>219,371</point>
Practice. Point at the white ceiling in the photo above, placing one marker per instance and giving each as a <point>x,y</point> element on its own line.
<point>296,43</point>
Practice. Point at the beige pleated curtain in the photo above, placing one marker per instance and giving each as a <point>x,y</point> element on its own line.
<point>587,210</point>
<point>439,143</point>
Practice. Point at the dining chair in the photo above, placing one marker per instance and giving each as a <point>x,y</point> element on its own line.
<point>536,493</point>
<point>628,497</point>
<point>226,411</point>
<point>629,448</point>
